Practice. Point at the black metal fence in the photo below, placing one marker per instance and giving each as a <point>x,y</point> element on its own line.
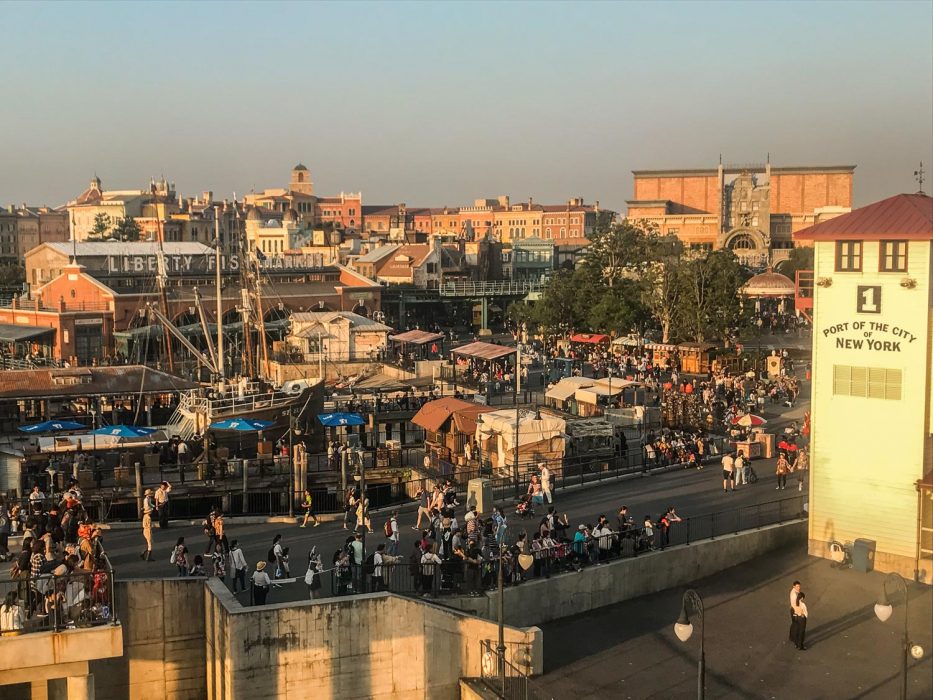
<point>502,677</point>
<point>475,571</point>
<point>51,602</point>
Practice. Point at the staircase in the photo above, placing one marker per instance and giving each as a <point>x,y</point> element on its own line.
<point>182,423</point>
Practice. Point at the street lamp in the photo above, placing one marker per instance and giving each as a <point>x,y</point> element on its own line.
<point>500,647</point>
<point>683,628</point>
<point>884,610</point>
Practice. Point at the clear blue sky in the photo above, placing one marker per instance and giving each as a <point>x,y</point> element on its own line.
<point>441,103</point>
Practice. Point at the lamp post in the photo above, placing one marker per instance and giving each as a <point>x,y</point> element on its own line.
<point>291,464</point>
<point>500,647</point>
<point>884,610</point>
<point>683,628</point>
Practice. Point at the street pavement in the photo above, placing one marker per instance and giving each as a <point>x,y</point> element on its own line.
<point>691,491</point>
<point>629,650</point>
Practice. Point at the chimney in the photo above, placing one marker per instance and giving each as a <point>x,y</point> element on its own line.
<point>531,202</point>
<point>596,206</point>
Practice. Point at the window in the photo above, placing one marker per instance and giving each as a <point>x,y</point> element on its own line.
<point>867,382</point>
<point>848,256</point>
<point>894,256</point>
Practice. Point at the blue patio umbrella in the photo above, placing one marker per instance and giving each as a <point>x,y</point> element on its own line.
<point>335,420</point>
<point>123,431</point>
<point>242,425</point>
<point>51,426</point>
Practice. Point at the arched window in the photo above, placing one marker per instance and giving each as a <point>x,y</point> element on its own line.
<point>743,242</point>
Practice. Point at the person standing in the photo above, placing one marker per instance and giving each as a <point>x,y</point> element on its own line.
<point>739,472</point>
<point>161,502</point>
<point>238,565</point>
<point>219,533</point>
<point>148,508</point>
<point>392,534</point>
<point>794,592</point>
<point>349,507</point>
<point>180,557</point>
<point>261,584</point>
<point>545,481</point>
<point>728,472</point>
<point>220,562</point>
<point>800,625</point>
<point>308,506</point>
<point>313,574</point>
<point>429,563</point>
<point>780,470</point>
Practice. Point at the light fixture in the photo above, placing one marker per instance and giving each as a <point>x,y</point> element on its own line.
<point>908,283</point>
<point>824,282</point>
<point>916,651</point>
<point>883,611</point>
<point>683,627</point>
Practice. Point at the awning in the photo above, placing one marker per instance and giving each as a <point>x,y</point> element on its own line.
<point>667,347</point>
<point>627,341</point>
<point>484,351</point>
<point>592,338</point>
<point>566,387</point>
<point>416,337</point>
<point>12,333</point>
<point>153,331</point>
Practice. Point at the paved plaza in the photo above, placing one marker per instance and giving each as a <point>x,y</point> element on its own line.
<point>629,651</point>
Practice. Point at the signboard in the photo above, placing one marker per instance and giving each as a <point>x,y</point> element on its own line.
<point>876,336</point>
<point>868,299</point>
<point>194,264</point>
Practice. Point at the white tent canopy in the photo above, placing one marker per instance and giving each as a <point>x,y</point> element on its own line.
<point>531,430</point>
<point>566,387</point>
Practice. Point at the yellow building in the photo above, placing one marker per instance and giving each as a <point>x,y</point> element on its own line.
<point>872,407</point>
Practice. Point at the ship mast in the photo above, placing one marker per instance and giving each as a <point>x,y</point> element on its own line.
<point>217,282</point>
<point>163,299</point>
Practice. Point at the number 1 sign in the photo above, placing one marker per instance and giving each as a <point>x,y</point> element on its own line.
<point>869,300</point>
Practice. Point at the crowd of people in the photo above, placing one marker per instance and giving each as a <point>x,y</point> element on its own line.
<point>61,577</point>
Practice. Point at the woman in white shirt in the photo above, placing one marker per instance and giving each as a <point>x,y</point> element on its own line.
<point>11,616</point>
<point>261,584</point>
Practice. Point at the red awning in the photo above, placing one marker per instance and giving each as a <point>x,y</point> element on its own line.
<point>484,351</point>
<point>589,338</point>
<point>416,337</point>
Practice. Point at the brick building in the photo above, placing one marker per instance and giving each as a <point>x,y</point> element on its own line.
<point>754,210</point>
<point>95,293</point>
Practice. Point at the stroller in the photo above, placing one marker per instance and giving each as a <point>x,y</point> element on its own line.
<point>525,508</point>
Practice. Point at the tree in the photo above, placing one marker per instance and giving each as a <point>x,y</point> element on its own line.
<point>12,275</point>
<point>710,307</point>
<point>101,227</point>
<point>562,306</point>
<point>800,258</point>
<point>616,249</point>
<point>619,309</point>
<point>126,229</point>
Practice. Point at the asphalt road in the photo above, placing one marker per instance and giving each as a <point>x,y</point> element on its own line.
<point>691,491</point>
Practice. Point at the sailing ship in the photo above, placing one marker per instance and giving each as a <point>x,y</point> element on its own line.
<point>252,394</point>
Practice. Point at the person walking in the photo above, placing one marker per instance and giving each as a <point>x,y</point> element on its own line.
<point>238,566</point>
<point>362,515</point>
<point>800,625</point>
<point>349,507</point>
<point>800,466</point>
<point>180,557</point>
<point>148,508</point>
<point>220,562</point>
<point>161,503</point>
<point>277,556</point>
<point>780,470</point>
<point>728,472</point>
<point>308,506</point>
<point>219,534</point>
<point>423,497</point>
<point>261,584</point>
<point>545,481</point>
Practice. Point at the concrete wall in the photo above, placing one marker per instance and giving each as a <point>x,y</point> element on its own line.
<point>163,642</point>
<point>542,600</point>
<point>373,646</point>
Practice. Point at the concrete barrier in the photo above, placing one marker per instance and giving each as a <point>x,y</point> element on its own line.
<point>371,646</point>
<point>543,600</point>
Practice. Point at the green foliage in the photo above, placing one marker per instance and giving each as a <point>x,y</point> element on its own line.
<point>12,275</point>
<point>800,259</point>
<point>126,230</point>
<point>101,226</point>
<point>636,280</point>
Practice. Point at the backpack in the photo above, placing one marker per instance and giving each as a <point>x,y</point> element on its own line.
<point>270,557</point>
<point>369,566</point>
<point>388,528</point>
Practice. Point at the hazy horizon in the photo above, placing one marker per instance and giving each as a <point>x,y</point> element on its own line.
<point>438,104</point>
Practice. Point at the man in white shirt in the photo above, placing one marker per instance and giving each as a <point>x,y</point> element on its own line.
<point>740,470</point>
<point>238,566</point>
<point>545,481</point>
<point>393,534</point>
<point>728,472</point>
<point>161,501</point>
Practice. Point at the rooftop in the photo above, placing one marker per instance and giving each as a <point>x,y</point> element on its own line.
<point>901,217</point>
<point>88,381</point>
